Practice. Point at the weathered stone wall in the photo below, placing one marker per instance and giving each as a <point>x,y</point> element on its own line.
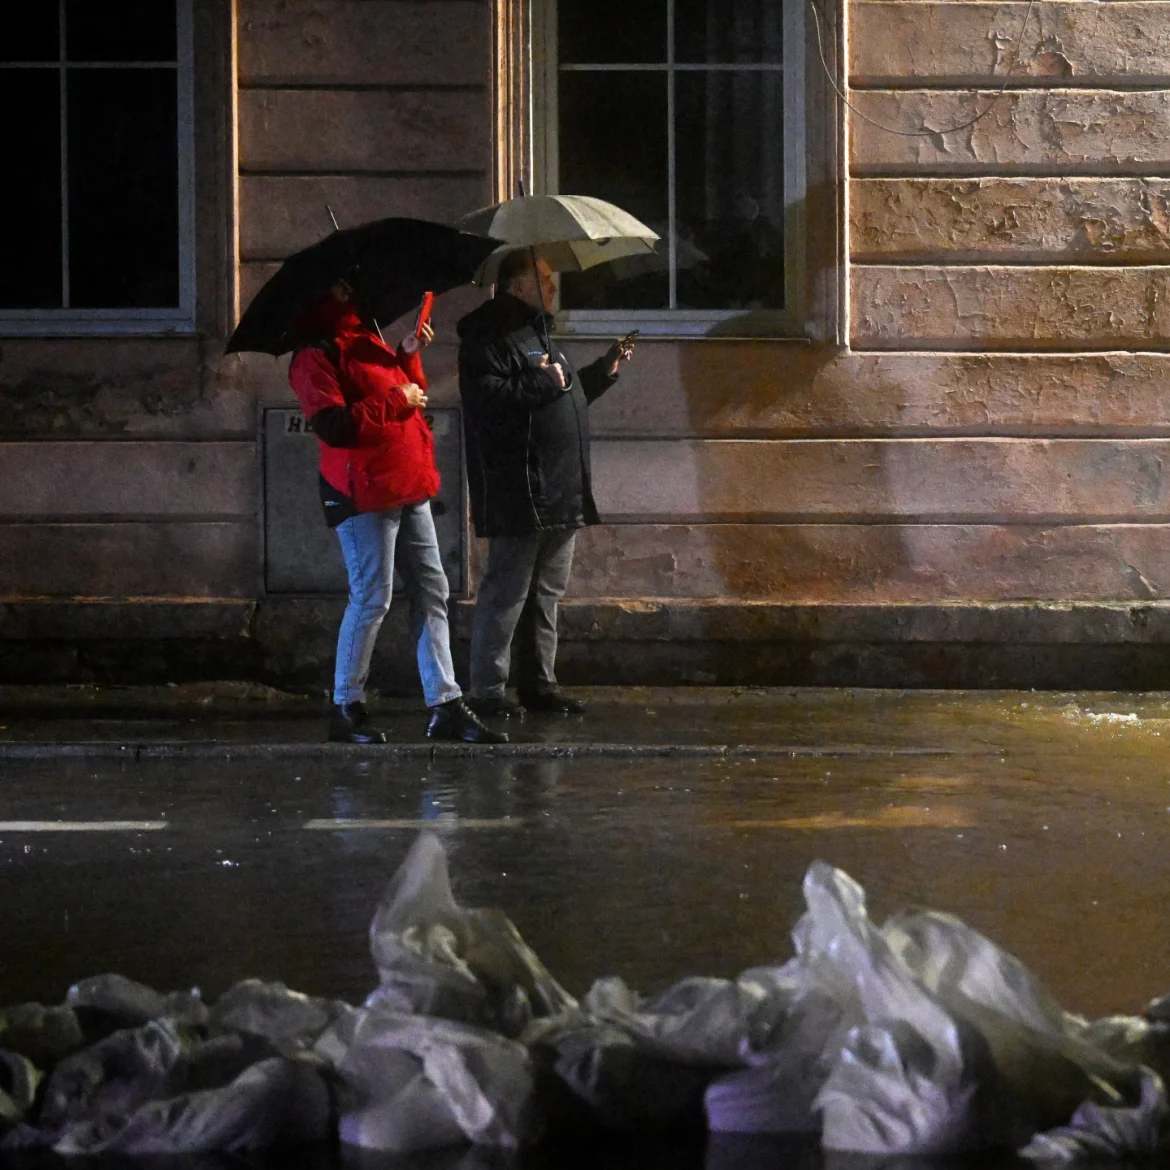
<point>993,430</point>
<point>126,469</point>
<point>985,438</point>
<point>371,108</point>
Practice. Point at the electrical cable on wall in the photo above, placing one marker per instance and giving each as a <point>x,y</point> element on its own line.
<point>920,133</point>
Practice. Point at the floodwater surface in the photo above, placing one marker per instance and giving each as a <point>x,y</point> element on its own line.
<point>1043,821</point>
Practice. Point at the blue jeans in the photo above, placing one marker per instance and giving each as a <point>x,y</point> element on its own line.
<point>368,543</point>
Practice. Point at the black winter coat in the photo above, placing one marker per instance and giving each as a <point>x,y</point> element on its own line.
<point>527,440</point>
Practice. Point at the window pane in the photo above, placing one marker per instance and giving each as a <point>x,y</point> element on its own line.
<point>601,32</point>
<point>30,204</point>
<point>120,30</point>
<point>30,33</point>
<point>730,203</point>
<point>123,188</point>
<point>729,31</point>
<point>612,144</point>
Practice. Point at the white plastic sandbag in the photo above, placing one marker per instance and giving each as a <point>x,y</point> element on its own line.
<point>777,1092</point>
<point>131,1003</point>
<point>287,1019</point>
<point>701,1021</point>
<point>419,1082</point>
<point>437,958</point>
<point>1102,1133</point>
<point>43,1034</point>
<point>19,1079</point>
<point>112,1077</point>
<point>275,1102</point>
<point>619,1079</point>
<point>954,1045</point>
<point>639,1062</point>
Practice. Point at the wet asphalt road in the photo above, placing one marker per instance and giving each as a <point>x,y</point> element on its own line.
<point>1042,820</point>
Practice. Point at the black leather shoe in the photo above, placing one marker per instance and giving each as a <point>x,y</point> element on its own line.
<point>350,723</point>
<point>455,720</point>
<point>495,707</point>
<point>554,702</point>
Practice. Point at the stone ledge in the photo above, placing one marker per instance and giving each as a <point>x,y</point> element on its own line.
<point>1014,623</point>
<point>648,619</point>
<point>289,643</point>
<point>149,618</point>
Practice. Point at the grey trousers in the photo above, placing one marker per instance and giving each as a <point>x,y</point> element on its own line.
<point>526,576</point>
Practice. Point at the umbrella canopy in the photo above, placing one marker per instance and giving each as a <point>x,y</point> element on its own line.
<point>390,262</point>
<point>569,232</point>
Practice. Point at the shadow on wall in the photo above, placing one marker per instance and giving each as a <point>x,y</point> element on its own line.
<point>876,478</point>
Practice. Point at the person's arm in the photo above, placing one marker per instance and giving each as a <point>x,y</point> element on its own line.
<point>336,422</point>
<point>597,377</point>
<point>497,385</point>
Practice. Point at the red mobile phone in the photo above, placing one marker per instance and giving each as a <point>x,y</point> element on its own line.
<point>424,313</point>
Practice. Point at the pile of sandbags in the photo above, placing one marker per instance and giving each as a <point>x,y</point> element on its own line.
<point>915,1037</point>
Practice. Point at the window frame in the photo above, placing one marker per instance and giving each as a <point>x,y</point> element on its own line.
<point>540,133</point>
<point>128,322</point>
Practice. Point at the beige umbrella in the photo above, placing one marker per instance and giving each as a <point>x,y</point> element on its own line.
<point>569,232</point>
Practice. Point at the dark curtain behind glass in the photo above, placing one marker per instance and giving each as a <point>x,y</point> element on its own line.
<point>729,127</point>
<point>729,148</point>
<point>121,150</point>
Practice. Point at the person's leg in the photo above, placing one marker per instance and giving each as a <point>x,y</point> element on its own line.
<point>421,566</point>
<point>550,578</point>
<point>367,546</point>
<point>422,570</point>
<point>502,593</point>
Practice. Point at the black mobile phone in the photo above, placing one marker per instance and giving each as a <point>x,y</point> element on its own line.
<point>629,338</point>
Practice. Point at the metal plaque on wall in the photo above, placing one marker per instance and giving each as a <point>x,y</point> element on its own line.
<point>301,554</point>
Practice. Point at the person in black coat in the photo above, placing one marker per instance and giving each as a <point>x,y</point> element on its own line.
<point>526,430</point>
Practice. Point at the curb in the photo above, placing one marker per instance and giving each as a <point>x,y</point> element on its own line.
<point>210,750</point>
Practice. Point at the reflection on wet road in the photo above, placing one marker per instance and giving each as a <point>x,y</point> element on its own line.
<point>1056,844</point>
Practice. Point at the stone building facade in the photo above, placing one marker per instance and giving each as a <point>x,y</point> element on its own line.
<point>948,471</point>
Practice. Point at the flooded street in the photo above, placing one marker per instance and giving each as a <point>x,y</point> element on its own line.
<point>1041,820</point>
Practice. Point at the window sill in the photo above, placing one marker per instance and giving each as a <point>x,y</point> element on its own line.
<point>680,325</point>
<point>14,325</point>
<point>645,337</point>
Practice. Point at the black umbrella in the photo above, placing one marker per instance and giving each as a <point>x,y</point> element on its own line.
<point>390,263</point>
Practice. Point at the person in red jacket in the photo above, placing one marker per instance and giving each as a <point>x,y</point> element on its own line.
<point>363,401</point>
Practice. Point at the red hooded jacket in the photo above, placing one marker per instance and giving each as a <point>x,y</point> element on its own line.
<point>376,450</point>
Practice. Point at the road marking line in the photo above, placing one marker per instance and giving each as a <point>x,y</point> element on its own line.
<point>438,824</point>
<point>907,817</point>
<point>83,826</point>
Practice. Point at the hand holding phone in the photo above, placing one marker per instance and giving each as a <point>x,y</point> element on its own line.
<point>424,313</point>
<point>621,351</point>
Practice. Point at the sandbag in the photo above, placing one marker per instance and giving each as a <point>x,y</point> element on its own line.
<point>287,1019</point>
<point>1102,1133</point>
<point>436,958</point>
<point>416,1083</point>
<point>44,1035</point>
<point>957,1048</point>
<point>130,1004</point>
<point>622,1081</point>
<point>19,1079</point>
<point>276,1102</point>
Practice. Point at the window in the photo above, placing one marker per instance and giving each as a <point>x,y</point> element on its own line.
<point>688,114</point>
<point>96,204</point>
